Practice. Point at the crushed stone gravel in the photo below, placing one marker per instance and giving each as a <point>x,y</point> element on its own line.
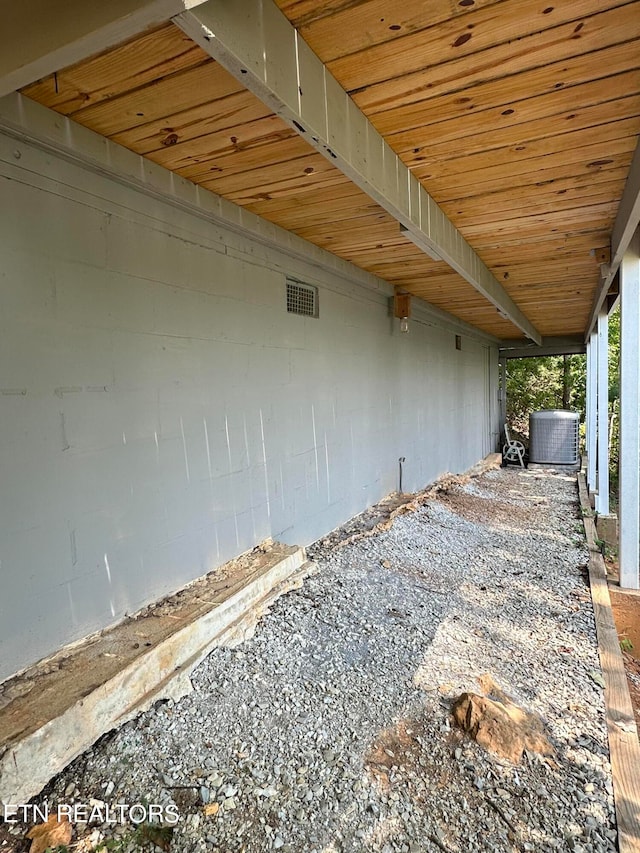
<point>330,729</point>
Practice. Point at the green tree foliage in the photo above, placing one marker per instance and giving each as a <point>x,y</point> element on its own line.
<point>614,355</point>
<point>545,382</point>
<point>614,399</point>
<point>559,382</point>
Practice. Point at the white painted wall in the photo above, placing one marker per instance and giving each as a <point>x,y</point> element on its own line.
<point>161,412</point>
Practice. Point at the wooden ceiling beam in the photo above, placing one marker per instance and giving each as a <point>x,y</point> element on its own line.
<point>567,345</point>
<point>256,43</point>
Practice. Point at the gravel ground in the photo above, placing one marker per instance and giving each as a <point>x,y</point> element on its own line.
<point>330,729</point>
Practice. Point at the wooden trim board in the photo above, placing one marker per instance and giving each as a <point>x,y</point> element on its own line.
<point>624,747</point>
<point>205,617</point>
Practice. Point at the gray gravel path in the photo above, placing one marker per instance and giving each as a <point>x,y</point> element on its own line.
<point>330,729</point>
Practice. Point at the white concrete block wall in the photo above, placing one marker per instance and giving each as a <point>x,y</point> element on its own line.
<point>161,412</point>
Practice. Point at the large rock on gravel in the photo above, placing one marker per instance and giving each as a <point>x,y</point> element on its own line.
<point>500,726</point>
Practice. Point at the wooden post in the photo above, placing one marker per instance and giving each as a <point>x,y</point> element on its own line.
<point>587,410</point>
<point>503,394</point>
<point>602,498</point>
<point>629,502</point>
<point>592,375</point>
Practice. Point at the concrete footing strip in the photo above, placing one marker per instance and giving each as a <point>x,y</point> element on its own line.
<point>162,673</point>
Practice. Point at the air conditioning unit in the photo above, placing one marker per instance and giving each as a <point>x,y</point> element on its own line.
<point>554,437</point>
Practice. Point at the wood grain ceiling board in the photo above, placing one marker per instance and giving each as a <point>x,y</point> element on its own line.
<point>368,23</point>
<point>564,195</point>
<point>483,132</point>
<point>346,202</point>
<point>560,76</point>
<point>490,27</point>
<point>457,74</point>
<point>556,149</point>
<point>579,246</point>
<point>115,72</point>
<point>532,112</point>
<point>588,164</point>
<point>236,121</point>
<point>519,119</point>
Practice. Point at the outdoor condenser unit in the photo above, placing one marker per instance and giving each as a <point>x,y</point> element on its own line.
<point>553,437</point>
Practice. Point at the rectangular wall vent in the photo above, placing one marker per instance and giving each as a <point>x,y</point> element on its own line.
<point>458,341</point>
<point>302,298</point>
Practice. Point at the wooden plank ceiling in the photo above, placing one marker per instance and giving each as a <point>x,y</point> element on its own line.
<point>519,118</point>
